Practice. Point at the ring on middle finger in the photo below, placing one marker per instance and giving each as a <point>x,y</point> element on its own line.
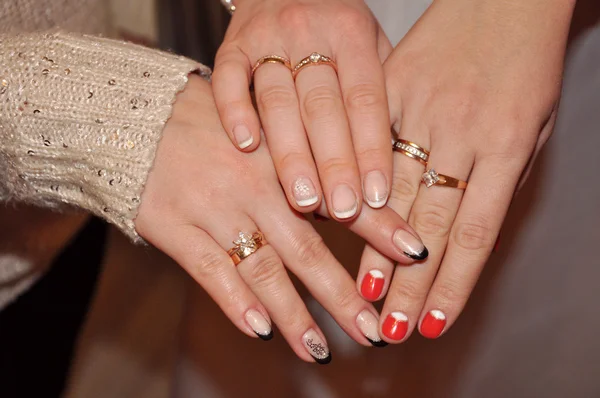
<point>313,60</point>
<point>411,150</point>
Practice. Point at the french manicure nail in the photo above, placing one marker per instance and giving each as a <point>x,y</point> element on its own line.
<point>433,324</point>
<point>344,201</point>
<point>305,193</point>
<point>368,325</point>
<point>243,136</point>
<point>376,190</point>
<point>410,245</point>
<point>395,326</point>
<point>372,285</point>
<point>259,324</point>
<point>316,347</point>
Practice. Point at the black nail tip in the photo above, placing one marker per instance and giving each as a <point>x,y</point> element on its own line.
<point>421,256</point>
<point>378,344</point>
<point>265,337</point>
<point>323,361</point>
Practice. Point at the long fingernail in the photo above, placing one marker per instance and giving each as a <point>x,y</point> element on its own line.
<point>410,245</point>
<point>376,189</point>
<point>368,325</point>
<point>316,347</point>
<point>395,326</point>
<point>344,201</point>
<point>305,193</point>
<point>243,136</point>
<point>433,324</point>
<point>259,324</point>
<point>372,285</point>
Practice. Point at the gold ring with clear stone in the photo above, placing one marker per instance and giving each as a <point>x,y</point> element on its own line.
<point>432,177</point>
<point>313,60</point>
<point>411,150</point>
<point>245,246</point>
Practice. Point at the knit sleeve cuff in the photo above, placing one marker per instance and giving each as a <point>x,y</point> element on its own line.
<point>80,120</point>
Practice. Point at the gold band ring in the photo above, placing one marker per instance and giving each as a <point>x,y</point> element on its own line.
<point>312,60</point>
<point>432,177</point>
<point>411,150</point>
<point>271,59</point>
<point>245,246</point>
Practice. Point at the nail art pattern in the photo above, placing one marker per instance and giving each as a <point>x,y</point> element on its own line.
<point>395,326</point>
<point>433,324</point>
<point>316,347</point>
<point>410,245</point>
<point>304,192</point>
<point>372,285</point>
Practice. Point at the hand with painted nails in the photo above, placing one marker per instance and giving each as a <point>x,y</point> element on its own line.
<point>473,90</point>
<point>203,198</point>
<point>316,67</point>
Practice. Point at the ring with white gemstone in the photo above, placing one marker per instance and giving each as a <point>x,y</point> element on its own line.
<point>411,150</point>
<point>313,60</point>
<point>245,246</point>
<point>432,177</point>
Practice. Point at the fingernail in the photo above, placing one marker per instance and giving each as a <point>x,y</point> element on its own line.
<point>316,347</point>
<point>372,285</point>
<point>259,324</point>
<point>410,245</point>
<point>433,324</point>
<point>368,325</point>
<point>395,326</point>
<point>376,190</point>
<point>305,193</point>
<point>243,136</point>
<point>344,201</point>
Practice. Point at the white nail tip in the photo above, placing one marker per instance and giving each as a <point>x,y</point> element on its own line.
<point>437,314</point>
<point>376,205</point>
<point>307,202</point>
<point>399,316</point>
<point>247,143</point>
<point>346,214</point>
<point>375,273</point>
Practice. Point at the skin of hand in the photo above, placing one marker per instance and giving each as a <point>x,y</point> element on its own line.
<point>328,132</point>
<point>202,192</point>
<point>477,83</point>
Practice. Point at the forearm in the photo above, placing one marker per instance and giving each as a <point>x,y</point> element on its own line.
<point>80,119</point>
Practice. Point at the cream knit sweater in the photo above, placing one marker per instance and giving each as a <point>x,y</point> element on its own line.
<point>80,115</point>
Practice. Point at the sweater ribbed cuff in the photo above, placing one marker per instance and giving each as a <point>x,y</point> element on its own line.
<point>80,120</point>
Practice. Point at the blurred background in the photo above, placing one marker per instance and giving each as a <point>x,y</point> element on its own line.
<point>112,320</point>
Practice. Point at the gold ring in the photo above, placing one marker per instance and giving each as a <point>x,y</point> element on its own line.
<point>432,177</point>
<point>245,246</point>
<point>411,150</point>
<point>271,59</point>
<point>313,60</point>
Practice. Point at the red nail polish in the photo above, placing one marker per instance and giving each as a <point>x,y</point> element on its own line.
<point>372,285</point>
<point>395,326</point>
<point>433,324</point>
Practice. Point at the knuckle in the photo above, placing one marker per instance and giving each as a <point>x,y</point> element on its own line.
<point>265,271</point>
<point>409,291</point>
<point>208,264</point>
<point>450,294</point>
<point>435,221</point>
<point>297,17</point>
<point>311,251</point>
<point>363,98</point>
<point>321,102</point>
<point>355,21</point>
<point>403,188</point>
<point>290,159</point>
<point>346,298</point>
<point>277,98</point>
<point>334,166</point>
<point>473,236</point>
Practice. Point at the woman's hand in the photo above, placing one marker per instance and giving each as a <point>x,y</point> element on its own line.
<point>477,83</point>
<point>343,118</point>
<point>202,192</point>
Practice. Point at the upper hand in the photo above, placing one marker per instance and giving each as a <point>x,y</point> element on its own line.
<point>343,118</point>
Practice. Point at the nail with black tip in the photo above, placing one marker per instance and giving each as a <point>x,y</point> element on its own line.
<point>316,347</point>
<point>410,245</point>
<point>259,324</point>
<point>368,325</point>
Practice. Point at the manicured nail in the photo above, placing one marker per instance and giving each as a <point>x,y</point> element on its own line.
<point>243,136</point>
<point>395,326</point>
<point>376,189</point>
<point>259,324</point>
<point>433,324</point>
<point>368,325</point>
<point>372,285</point>
<point>316,347</point>
<point>305,193</point>
<point>410,245</point>
<point>344,201</point>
